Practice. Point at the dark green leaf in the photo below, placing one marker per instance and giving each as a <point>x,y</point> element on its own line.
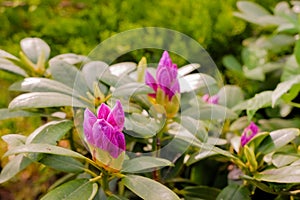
<point>148,189</point>
<point>116,197</point>
<point>231,63</point>
<point>202,192</point>
<point>79,189</point>
<point>234,192</point>
<point>141,164</point>
<point>62,163</point>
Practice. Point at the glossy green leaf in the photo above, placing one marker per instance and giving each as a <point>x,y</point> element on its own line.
<point>62,163</point>
<point>144,163</point>
<point>34,48</point>
<point>68,75</point>
<point>7,113</point>
<point>209,112</point>
<point>284,159</point>
<point>50,133</point>
<point>13,167</point>
<point>78,189</point>
<point>44,100</point>
<point>283,87</point>
<point>230,95</point>
<point>132,89</point>
<point>148,189</point>
<point>193,82</point>
<point>43,148</point>
<point>287,174</point>
<point>70,58</point>
<point>41,85</point>
<point>234,192</point>
<point>277,139</point>
<point>202,192</point>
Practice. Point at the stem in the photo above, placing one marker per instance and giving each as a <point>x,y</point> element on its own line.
<point>104,184</point>
<point>90,172</point>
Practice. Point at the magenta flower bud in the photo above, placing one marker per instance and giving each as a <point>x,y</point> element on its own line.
<point>211,99</point>
<point>248,133</point>
<point>103,134</point>
<point>166,77</point>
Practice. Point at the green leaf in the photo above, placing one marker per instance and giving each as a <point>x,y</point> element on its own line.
<point>144,163</point>
<point>122,68</point>
<point>230,95</point>
<point>14,140</point>
<point>44,100</point>
<point>249,153</point>
<point>69,75</point>
<point>42,85</point>
<point>193,82</point>
<point>131,89</point>
<point>195,127</point>
<point>13,167</point>
<point>79,189</point>
<point>148,189</point>
<point>209,112</point>
<point>11,67</point>
<point>202,154</point>
<point>50,133</point>
<point>283,87</point>
<point>202,192</point>
<point>184,70</point>
<point>231,63</point>
<point>287,174</point>
<point>7,114</point>
<point>277,139</point>
<point>43,148</point>
<point>70,58</point>
<point>116,197</point>
<point>34,48</point>
<point>234,192</point>
<point>260,100</point>
<point>283,159</point>
<point>297,51</point>
<point>62,163</point>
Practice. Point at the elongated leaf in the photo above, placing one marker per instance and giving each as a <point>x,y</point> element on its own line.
<point>79,189</point>
<point>230,95</point>
<point>34,48</point>
<point>7,114</point>
<point>70,58</point>
<point>209,112</point>
<point>10,67</point>
<point>195,127</point>
<point>115,197</point>
<point>148,189</point>
<point>122,68</point>
<point>13,167</point>
<point>231,63</point>
<point>50,133</point>
<point>132,89</point>
<point>141,164</point>
<point>283,159</point>
<point>287,174</point>
<point>62,163</point>
<point>261,100</point>
<point>278,139</point>
<point>44,100</point>
<point>202,192</point>
<point>283,88</point>
<point>234,192</point>
<point>69,75</point>
<point>43,148</point>
<point>41,85</point>
<point>14,139</point>
<point>184,70</point>
<point>192,82</point>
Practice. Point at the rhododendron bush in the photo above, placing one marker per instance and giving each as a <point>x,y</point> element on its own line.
<point>159,130</point>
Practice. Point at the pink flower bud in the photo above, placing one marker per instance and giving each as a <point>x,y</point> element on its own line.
<point>248,133</point>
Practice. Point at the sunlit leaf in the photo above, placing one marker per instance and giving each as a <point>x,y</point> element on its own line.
<point>193,82</point>
<point>144,163</point>
<point>148,189</point>
<point>34,48</point>
<point>62,163</point>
